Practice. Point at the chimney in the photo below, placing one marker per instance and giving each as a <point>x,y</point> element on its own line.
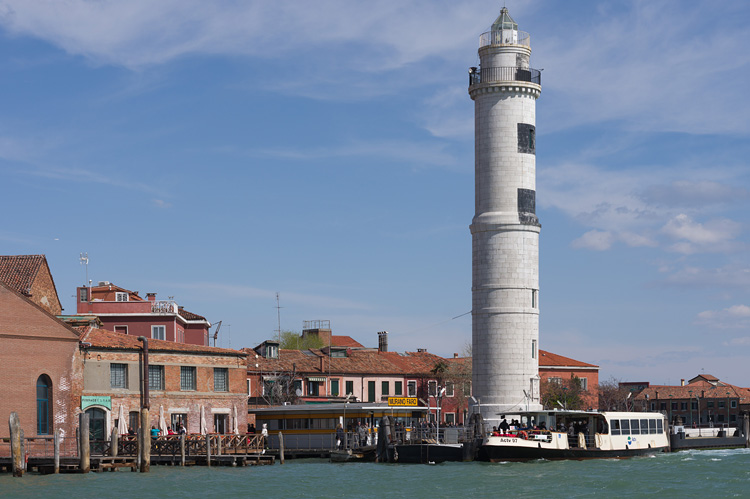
<point>151,296</point>
<point>322,364</point>
<point>421,350</point>
<point>455,355</point>
<point>682,382</point>
<point>383,341</point>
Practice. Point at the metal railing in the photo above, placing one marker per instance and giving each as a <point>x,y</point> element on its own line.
<point>504,37</point>
<point>164,307</point>
<point>504,73</point>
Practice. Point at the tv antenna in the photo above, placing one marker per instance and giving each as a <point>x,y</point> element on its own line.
<point>278,317</point>
<point>84,259</point>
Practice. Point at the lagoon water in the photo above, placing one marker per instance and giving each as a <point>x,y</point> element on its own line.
<point>712,473</point>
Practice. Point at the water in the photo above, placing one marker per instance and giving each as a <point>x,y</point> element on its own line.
<point>714,473</point>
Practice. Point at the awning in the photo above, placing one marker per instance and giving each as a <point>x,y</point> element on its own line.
<point>315,378</point>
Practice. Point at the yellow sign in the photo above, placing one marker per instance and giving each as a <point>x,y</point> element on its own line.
<point>402,401</point>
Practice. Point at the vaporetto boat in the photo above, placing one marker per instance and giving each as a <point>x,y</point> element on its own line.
<point>577,435</point>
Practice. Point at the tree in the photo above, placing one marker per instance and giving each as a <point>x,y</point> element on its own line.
<point>558,392</point>
<point>291,340</point>
<point>612,397</point>
<point>279,387</point>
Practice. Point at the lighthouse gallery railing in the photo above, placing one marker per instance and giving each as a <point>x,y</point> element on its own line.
<point>498,74</point>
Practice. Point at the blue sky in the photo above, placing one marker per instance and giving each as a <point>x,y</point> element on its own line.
<point>220,152</point>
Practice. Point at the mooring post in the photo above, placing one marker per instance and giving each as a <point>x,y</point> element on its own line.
<point>84,452</point>
<point>114,442</point>
<point>281,448</point>
<point>23,450</point>
<point>145,440</point>
<point>138,445</point>
<point>58,435</point>
<point>208,449</point>
<point>746,429</point>
<point>182,449</point>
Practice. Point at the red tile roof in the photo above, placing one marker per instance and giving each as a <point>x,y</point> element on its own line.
<point>19,271</point>
<point>107,340</point>
<point>345,341</point>
<point>189,316</point>
<point>548,359</point>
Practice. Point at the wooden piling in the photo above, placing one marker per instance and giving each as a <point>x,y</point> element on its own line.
<point>281,448</point>
<point>84,450</point>
<point>114,442</point>
<point>746,429</point>
<point>208,450</point>
<point>145,440</point>
<point>57,451</point>
<point>182,449</point>
<point>23,449</point>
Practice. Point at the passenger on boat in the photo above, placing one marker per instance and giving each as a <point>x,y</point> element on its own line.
<point>504,426</point>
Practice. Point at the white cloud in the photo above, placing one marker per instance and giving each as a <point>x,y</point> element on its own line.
<point>612,201</point>
<point>734,317</point>
<point>731,276</point>
<point>714,236</point>
<point>594,240</point>
<point>633,67</point>
<point>140,33</point>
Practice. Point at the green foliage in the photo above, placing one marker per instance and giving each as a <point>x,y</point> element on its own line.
<point>291,340</point>
<point>567,393</point>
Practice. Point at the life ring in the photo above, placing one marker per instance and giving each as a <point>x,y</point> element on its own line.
<point>523,435</point>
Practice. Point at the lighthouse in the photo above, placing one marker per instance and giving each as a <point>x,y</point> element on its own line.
<point>505,228</point>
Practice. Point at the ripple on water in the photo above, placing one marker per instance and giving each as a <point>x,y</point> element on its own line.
<point>688,473</point>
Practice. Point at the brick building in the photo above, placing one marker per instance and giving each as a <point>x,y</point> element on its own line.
<point>30,276</point>
<point>39,366</point>
<point>704,401</point>
<point>555,368</point>
<point>123,311</point>
<point>331,373</point>
<point>184,380</point>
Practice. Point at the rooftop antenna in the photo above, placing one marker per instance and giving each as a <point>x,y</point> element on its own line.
<point>278,316</point>
<point>84,258</point>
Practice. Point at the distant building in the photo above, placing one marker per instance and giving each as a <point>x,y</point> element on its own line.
<point>704,400</point>
<point>555,368</point>
<point>278,376</point>
<point>123,311</point>
<point>184,380</point>
<point>30,276</point>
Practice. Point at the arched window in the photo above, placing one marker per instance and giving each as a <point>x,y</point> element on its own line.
<point>43,405</point>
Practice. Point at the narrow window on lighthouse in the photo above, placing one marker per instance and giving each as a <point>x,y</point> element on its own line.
<point>534,298</point>
<point>533,349</point>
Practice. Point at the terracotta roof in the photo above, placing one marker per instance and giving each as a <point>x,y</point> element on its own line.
<point>189,316</point>
<point>19,271</point>
<point>368,361</point>
<point>345,341</point>
<point>107,340</point>
<point>700,388</point>
<point>548,359</point>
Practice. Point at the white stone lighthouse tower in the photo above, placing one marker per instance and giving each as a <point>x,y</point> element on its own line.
<point>505,229</point>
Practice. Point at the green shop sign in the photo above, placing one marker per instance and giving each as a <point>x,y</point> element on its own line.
<point>87,401</point>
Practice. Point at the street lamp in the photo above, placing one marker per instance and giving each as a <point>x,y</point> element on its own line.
<point>690,394</point>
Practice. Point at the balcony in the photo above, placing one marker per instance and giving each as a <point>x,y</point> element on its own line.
<point>504,74</point>
<point>504,37</point>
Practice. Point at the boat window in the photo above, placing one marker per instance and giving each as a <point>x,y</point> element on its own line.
<point>659,426</point>
<point>634,427</point>
<point>652,426</point>
<point>644,426</point>
<point>615,427</point>
<point>625,426</point>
